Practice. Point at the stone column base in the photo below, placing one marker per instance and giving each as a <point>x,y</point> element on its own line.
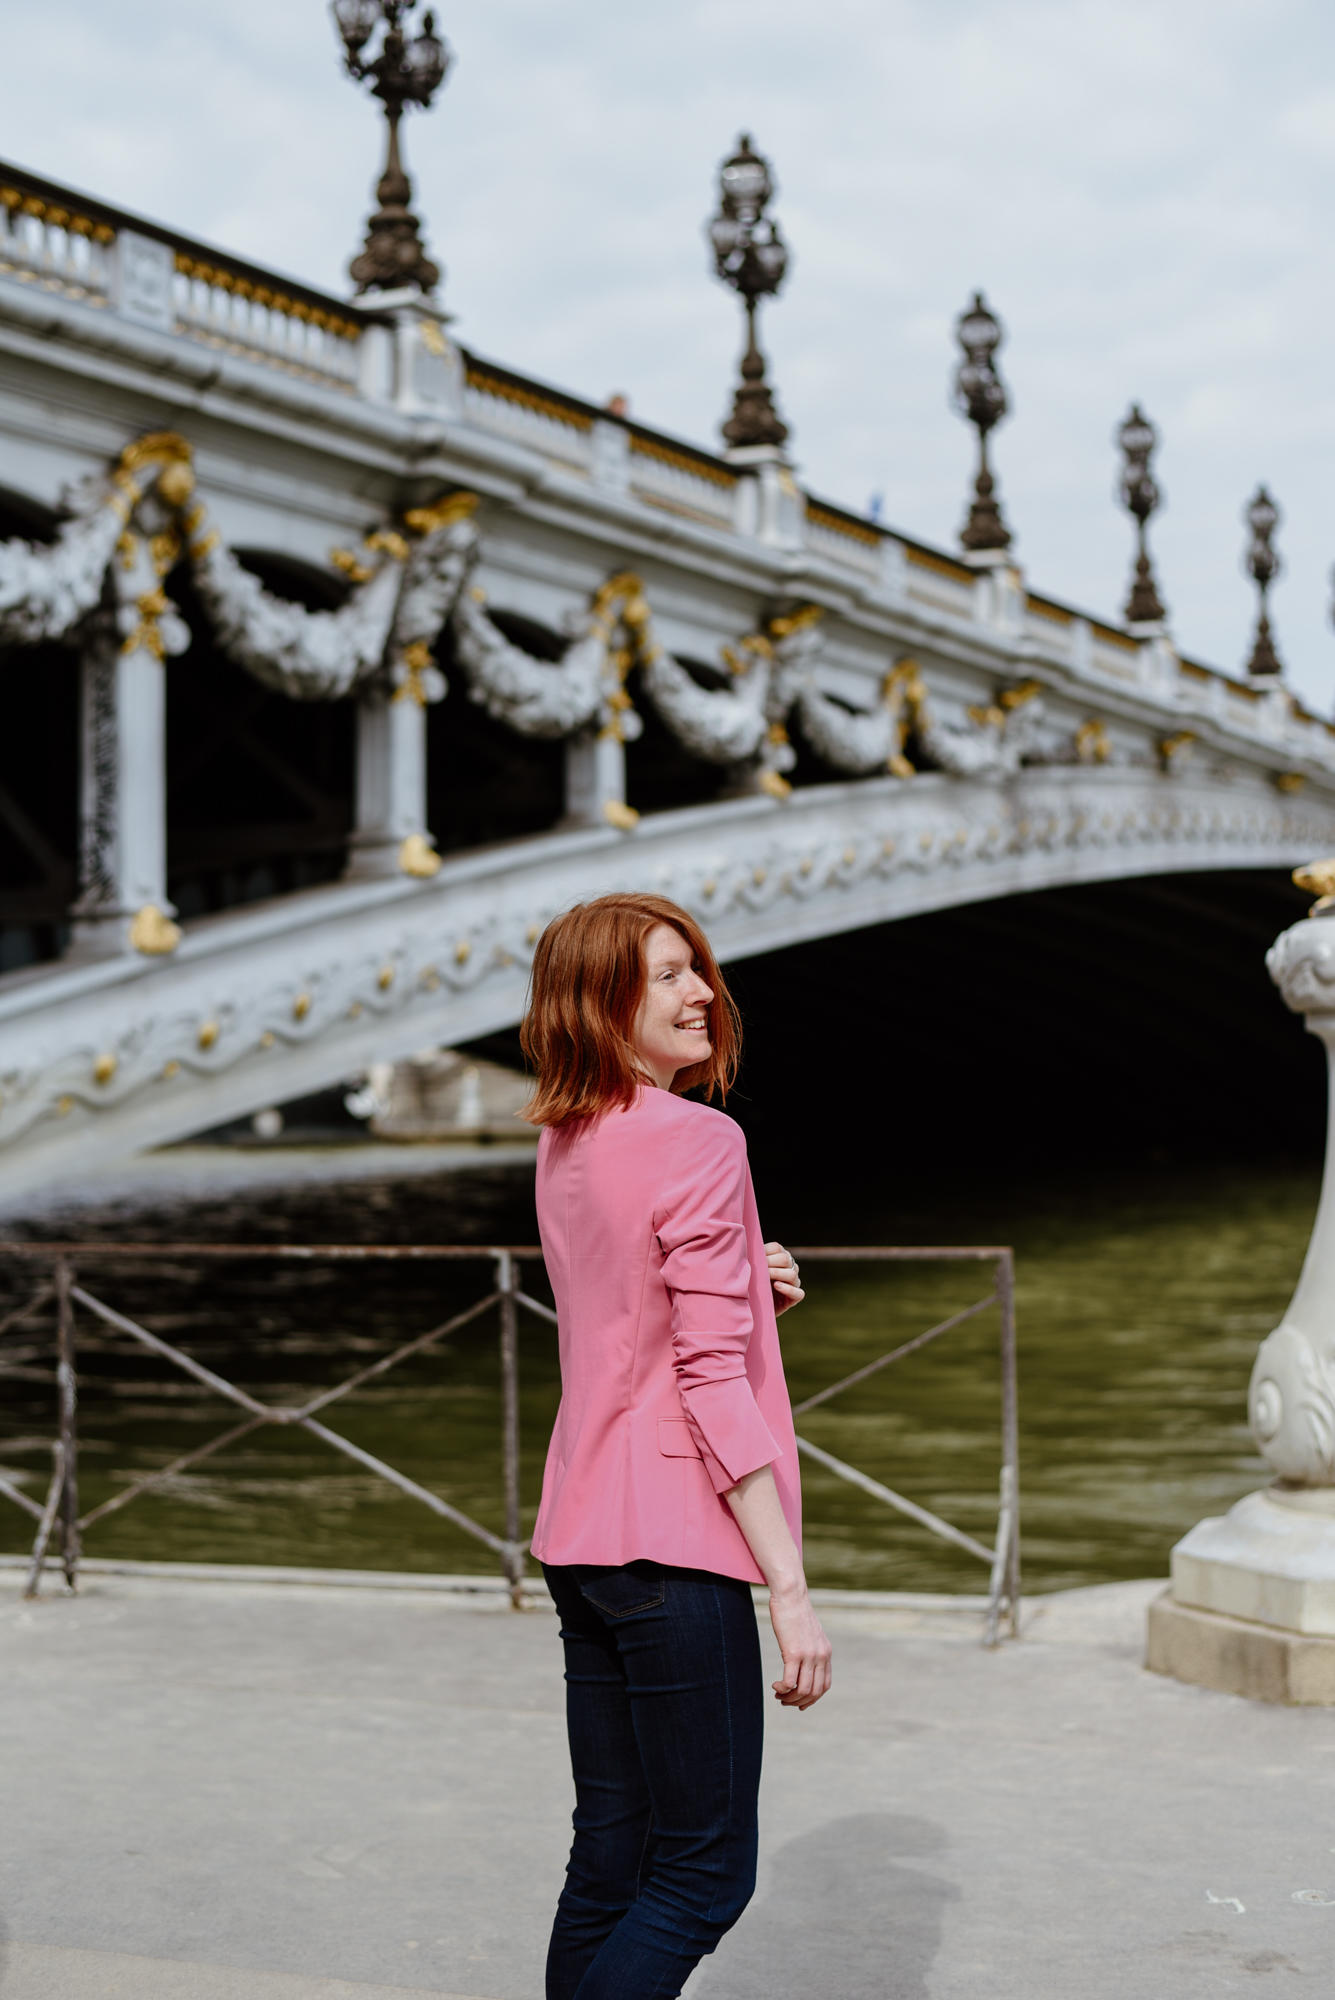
<point>1233,1655</point>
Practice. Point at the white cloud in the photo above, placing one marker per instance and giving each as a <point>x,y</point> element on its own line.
<point>1143,190</point>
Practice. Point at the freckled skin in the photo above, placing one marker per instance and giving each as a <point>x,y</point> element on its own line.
<point>671,1028</point>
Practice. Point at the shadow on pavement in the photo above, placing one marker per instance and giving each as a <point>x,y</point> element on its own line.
<point>842,1914</point>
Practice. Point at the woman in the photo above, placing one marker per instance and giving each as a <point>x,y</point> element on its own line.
<point>671,1483</point>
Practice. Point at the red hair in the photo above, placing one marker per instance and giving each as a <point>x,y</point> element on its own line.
<point>588,981</point>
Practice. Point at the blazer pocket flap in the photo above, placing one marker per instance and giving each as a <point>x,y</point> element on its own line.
<point>675,1440</point>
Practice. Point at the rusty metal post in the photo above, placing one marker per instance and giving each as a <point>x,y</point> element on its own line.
<point>1007,1573</point>
<point>67,1383</point>
<point>507,1283</point>
<point>46,1521</point>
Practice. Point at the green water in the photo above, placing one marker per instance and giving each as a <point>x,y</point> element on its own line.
<point>1141,1298</point>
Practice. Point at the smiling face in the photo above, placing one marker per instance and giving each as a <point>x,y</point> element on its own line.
<point>671,1027</point>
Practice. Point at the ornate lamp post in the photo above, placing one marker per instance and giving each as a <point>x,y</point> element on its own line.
<point>1140,496</point>
<point>751,256</point>
<point>980,396</point>
<point>1263,564</point>
<point>409,69</point>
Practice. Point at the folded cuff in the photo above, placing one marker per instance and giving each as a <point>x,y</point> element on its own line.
<point>726,1423</point>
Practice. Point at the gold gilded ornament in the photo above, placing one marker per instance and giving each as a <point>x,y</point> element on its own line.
<point>176,482</point>
<point>1173,746</point>
<point>784,626</point>
<point>152,933</point>
<point>441,513</point>
<point>1091,742</point>
<point>155,448</point>
<point>1318,878</point>
<point>355,571</point>
<point>390,541</point>
<point>165,549</point>
<point>416,657</point>
<point>418,857</point>
<point>618,814</point>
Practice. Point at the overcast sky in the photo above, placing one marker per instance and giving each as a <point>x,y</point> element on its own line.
<point>1145,189</point>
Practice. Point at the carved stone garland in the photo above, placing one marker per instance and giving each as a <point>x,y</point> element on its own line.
<point>404,584</point>
<point>44,592</point>
<point>746,724</point>
<point>408,582</point>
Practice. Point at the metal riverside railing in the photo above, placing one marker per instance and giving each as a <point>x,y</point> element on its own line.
<point>59,1291</point>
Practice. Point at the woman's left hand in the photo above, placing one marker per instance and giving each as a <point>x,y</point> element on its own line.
<point>784,1278</point>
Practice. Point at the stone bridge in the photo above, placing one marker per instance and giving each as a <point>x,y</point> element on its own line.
<point>337,659</point>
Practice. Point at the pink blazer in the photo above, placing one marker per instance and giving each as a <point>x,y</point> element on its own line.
<point>672,1384</point>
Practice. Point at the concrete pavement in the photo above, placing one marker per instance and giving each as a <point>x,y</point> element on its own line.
<point>246,1790</point>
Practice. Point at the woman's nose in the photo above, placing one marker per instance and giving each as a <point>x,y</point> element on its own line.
<point>704,993</point>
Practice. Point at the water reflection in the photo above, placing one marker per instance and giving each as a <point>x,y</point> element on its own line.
<point>1140,1302</point>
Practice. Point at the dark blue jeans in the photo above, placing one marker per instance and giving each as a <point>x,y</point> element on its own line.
<point>665,1711</point>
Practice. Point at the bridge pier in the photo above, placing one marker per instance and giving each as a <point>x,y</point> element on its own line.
<point>1251,1608</point>
<point>390,786</point>
<point>122,903</point>
<point>596,779</point>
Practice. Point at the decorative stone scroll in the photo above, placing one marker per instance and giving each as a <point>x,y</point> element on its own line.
<point>45,591</point>
<point>859,741</point>
<point>306,655</point>
<point>774,678</point>
<point>721,725</point>
<point>1291,1402</point>
<point>405,583</point>
<point>555,698</point>
<point>403,591</point>
<point>408,582</point>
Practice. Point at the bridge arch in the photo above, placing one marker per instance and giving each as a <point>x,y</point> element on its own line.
<point>271,1003</point>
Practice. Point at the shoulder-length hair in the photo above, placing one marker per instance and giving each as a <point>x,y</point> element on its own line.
<point>588,981</point>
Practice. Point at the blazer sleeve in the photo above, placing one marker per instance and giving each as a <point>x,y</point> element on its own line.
<point>702,1233</point>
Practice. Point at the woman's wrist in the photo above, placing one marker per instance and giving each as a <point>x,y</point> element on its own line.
<point>787,1586</point>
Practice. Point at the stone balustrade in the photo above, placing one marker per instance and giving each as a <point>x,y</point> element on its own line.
<point>96,256</point>
<point>264,322</point>
<point>55,245</point>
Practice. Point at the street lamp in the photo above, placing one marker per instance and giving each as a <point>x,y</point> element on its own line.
<point>980,396</point>
<point>1263,564</point>
<point>409,69</point>
<point>1140,496</point>
<point>751,256</point>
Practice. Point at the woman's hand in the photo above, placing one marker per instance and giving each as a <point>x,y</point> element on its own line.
<point>804,1646</point>
<point>755,1503</point>
<point>783,1276</point>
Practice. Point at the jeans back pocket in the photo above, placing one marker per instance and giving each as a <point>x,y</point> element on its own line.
<point>622,1590</point>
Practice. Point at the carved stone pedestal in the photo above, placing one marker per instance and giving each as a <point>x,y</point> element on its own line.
<point>1252,1605</point>
<point>1251,1609</point>
<point>1235,1656</point>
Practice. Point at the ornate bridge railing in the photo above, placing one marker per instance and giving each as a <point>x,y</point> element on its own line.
<point>61,1526</point>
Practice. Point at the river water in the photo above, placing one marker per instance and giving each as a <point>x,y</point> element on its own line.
<point>1142,1294</point>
